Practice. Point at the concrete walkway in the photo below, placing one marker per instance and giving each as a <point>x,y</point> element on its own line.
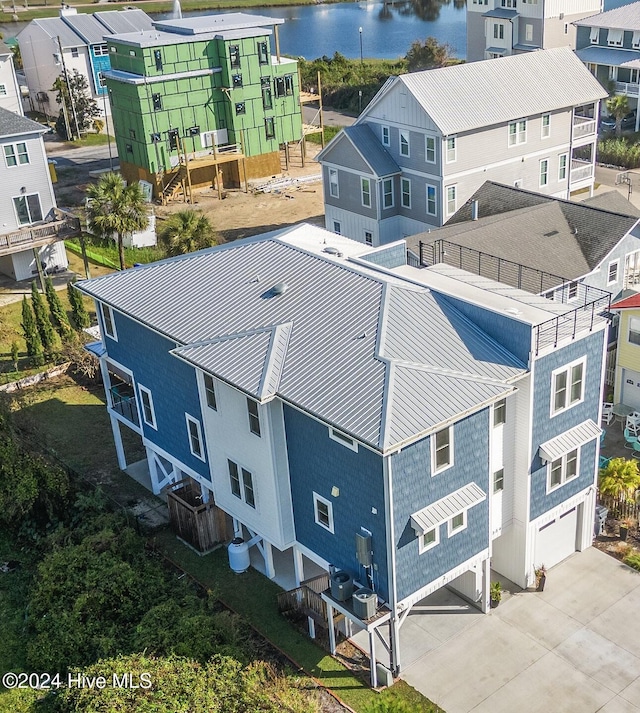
<point>574,648</point>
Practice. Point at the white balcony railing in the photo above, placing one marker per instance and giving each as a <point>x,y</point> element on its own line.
<point>628,88</point>
<point>583,126</point>
<point>581,170</point>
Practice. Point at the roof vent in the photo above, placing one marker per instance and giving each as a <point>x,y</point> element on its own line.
<point>513,310</point>
<point>279,289</point>
<point>332,251</point>
<point>551,233</point>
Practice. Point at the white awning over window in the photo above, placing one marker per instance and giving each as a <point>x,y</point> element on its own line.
<point>445,508</point>
<point>636,39</point>
<point>569,440</point>
<point>594,36</point>
<point>614,37</point>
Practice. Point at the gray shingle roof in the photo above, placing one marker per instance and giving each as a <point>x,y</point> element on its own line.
<point>383,362</point>
<point>513,222</point>
<point>13,124</point>
<point>468,96</point>
<point>626,17</point>
<point>613,201</point>
<point>371,150</point>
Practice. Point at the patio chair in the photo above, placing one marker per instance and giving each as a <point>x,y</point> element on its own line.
<point>632,426</point>
<point>603,435</point>
<point>603,462</point>
<point>607,412</point>
<point>633,419</point>
<point>636,449</point>
<point>630,439</point>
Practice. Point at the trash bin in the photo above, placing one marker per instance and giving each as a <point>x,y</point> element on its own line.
<point>601,518</point>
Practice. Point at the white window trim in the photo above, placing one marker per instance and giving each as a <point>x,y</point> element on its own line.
<point>212,390</point>
<point>455,149</point>
<point>382,137</point>
<point>404,181</point>
<point>435,202</point>
<point>520,137</point>
<point>450,531</point>
<point>386,181</point>
<point>316,499</point>
<point>540,183</point>
<point>241,471</point>
<point>617,264</point>
<point>563,472</point>
<point>370,233</point>
<point>26,197</point>
<point>426,152</point>
<point>334,172</point>
<point>567,368</point>
<point>113,336</point>
<point>257,415</point>
<point>493,481</point>
<point>191,419</point>
<point>15,153</point>
<point>594,35</point>
<point>543,127</point>
<point>422,548</point>
<point>404,135</point>
<point>343,439</point>
<point>145,390</point>
<point>566,166</point>
<point>337,230</point>
<point>3,90</point>
<point>493,412</point>
<point>435,471</point>
<point>362,192</point>
<point>455,200</point>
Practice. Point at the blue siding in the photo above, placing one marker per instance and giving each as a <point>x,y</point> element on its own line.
<point>544,427</point>
<point>99,64</point>
<point>317,463</point>
<point>393,256</point>
<point>414,489</point>
<point>172,383</point>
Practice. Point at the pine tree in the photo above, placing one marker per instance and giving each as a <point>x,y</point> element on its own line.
<point>58,312</point>
<point>43,323</point>
<point>80,314</point>
<point>31,336</point>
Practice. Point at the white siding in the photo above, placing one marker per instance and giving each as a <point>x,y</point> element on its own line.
<point>398,107</point>
<point>12,100</point>
<point>22,265</point>
<point>553,8</point>
<point>352,225</point>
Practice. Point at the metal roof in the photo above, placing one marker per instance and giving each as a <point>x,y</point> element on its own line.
<point>56,27</point>
<point>569,440</point>
<point>610,56</point>
<point>379,359</point>
<point>12,124</point>
<point>468,96</point>
<point>501,13</point>
<point>87,27</point>
<point>116,21</point>
<point>445,508</point>
<point>222,22</point>
<point>626,17</point>
<point>370,149</point>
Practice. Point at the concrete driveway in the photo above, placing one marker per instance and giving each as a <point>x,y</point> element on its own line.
<point>573,648</point>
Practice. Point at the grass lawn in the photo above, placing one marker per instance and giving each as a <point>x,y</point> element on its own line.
<point>329,133</point>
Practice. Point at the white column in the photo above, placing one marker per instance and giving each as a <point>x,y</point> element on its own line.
<point>268,560</point>
<point>298,566</point>
<point>394,640</point>
<point>312,627</point>
<point>372,659</point>
<point>237,527</point>
<point>332,631</point>
<point>153,470</point>
<point>204,491</point>
<point>486,585</point>
<point>117,437</point>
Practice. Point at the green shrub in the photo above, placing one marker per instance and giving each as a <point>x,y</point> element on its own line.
<point>623,151</point>
<point>633,560</point>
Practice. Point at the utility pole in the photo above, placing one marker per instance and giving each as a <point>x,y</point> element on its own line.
<point>66,79</point>
<point>106,122</point>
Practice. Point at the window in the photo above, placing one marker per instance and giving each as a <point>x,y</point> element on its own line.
<point>441,450</point>
<point>508,3</point>
<point>155,138</point>
<point>451,149</point>
<point>108,322</point>
<point>100,50</point>
<point>128,148</point>
<point>172,135</point>
<point>284,85</point>
<point>3,90</point>
<point>567,386</point>
<point>544,172</point>
<point>263,53</point>
<point>240,108</point>
<point>112,50</point>
<point>594,35</point>
<point>241,482</point>
<point>387,193</point>
<point>101,80</point>
<point>428,540</point>
<point>614,38</point>
<point>572,291</point>
<point>323,512</point>
<point>132,133</point>
<point>267,99</point>
<point>612,273</point>
<point>634,330</point>
<point>254,416</point>
<point>430,149</point>
<point>404,143</point>
<point>16,154</point>
<point>132,53</point>
<point>635,40</point>
<point>368,237</point>
<point>210,392</point>
<point>451,200</point>
<point>288,84</point>
<point>517,132</point>
<point>236,80</point>
<point>498,481</point>
<point>157,56</point>
<point>457,523</point>
<point>148,413</point>
<point>343,439</point>
<point>498,31</point>
<point>234,56</point>
<point>405,189</point>
<point>337,228</point>
<point>431,200</point>
<point>157,102</point>
<point>562,470</point>
<point>334,190</point>
<point>28,208</point>
<point>546,126</point>
<point>365,192</point>
<point>500,412</point>
<point>528,31</point>
<point>195,436</point>
<point>269,128</point>
<point>74,51</point>
<point>566,28</point>
<point>386,136</point>
<point>562,167</point>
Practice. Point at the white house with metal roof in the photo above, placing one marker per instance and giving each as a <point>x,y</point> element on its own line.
<point>429,139</point>
<point>10,97</point>
<point>609,45</point>
<point>410,427</point>
<point>73,42</point>
<point>498,28</point>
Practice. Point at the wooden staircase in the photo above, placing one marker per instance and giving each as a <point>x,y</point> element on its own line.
<point>306,599</point>
<point>175,184</point>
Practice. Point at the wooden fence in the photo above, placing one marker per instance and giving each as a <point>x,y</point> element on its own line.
<point>202,525</point>
<point>620,509</point>
<point>306,599</point>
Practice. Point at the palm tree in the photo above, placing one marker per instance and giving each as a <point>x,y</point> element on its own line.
<point>618,107</point>
<point>186,231</point>
<point>116,208</point>
<point>620,479</point>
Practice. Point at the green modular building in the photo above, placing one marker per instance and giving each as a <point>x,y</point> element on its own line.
<point>202,100</point>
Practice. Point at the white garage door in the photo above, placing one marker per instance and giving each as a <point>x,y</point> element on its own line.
<point>556,540</point>
<point>631,388</point>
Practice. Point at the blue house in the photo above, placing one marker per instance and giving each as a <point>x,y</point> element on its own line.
<point>411,428</point>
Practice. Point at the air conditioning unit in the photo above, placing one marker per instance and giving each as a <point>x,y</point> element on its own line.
<point>341,586</point>
<point>364,603</point>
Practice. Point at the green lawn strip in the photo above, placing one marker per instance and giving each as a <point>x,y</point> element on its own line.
<point>93,254</point>
<point>106,253</point>
<point>254,597</point>
<point>329,133</point>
